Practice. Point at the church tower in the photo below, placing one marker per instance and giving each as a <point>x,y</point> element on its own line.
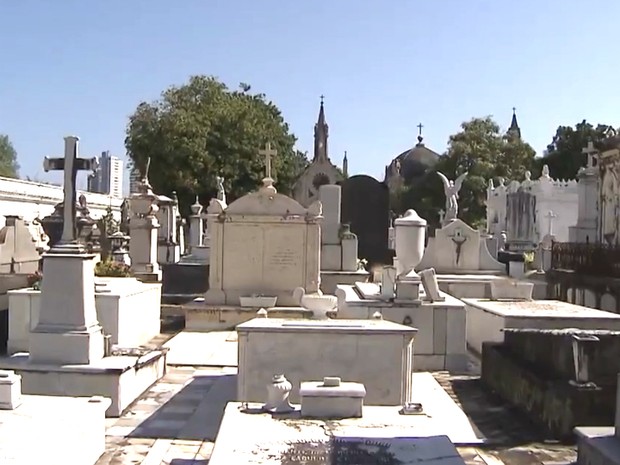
<point>321,133</point>
<point>514,131</point>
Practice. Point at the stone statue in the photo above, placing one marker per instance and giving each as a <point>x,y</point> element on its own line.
<point>451,190</point>
<point>221,193</point>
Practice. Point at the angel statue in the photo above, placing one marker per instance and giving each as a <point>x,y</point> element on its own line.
<point>221,193</point>
<point>451,190</point>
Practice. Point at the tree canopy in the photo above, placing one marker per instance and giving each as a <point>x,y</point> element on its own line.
<point>201,130</point>
<point>8,158</point>
<point>480,149</point>
<point>565,155</point>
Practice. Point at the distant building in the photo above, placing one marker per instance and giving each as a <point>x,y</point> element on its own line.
<point>108,179</point>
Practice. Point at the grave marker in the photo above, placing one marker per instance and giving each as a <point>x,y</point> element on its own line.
<point>70,164</point>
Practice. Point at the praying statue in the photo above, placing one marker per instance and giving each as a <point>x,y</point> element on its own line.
<point>451,190</point>
<point>221,193</point>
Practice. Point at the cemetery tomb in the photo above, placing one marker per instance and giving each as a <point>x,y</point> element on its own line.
<point>487,318</point>
<point>290,438</point>
<point>440,340</point>
<point>67,350</point>
<point>355,350</point>
<point>127,309</point>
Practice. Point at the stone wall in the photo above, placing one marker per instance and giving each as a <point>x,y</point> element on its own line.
<point>32,199</point>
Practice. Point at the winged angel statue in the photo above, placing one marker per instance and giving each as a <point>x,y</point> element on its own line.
<point>451,190</point>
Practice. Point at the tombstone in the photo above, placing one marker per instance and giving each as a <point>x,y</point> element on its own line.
<point>263,243</point>
<point>522,227</point>
<point>458,249</point>
<point>431,287</point>
<point>366,207</point>
<point>588,198</point>
<point>338,244</point>
<point>143,233</point>
<point>168,248</point>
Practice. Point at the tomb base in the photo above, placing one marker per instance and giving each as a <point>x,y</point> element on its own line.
<point>148,277</point>
<point>204,317</point>
<point>486,318</point>
<point>548,400</point>
<point>66,430</point>
<point>597,445</point>
<point>278,439</point>
<point>355,350</point>
<point>71,347</point>
<point>116,301</point>
<point>122,378</point>
<point>440,341</point>
<point>184,279</point>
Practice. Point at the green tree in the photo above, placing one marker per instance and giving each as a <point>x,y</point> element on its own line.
<point>481,149</point>
<point>201,130</point>
<point>8,158</point>
<point>564,154</point>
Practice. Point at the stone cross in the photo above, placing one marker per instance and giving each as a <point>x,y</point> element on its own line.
<point>70,164</point>
<point>420,126</point>
<point>590,151</point>
<point>551,217</point>
<point>268,152</point>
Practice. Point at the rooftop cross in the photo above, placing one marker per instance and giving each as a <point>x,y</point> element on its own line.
<point>70,164</point>
<point>420,126</point>
<point>322,98</point>
<point>268,152</point>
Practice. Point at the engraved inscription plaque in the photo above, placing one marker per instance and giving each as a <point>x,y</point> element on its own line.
<point>284,254</point>
<point>373,451</point>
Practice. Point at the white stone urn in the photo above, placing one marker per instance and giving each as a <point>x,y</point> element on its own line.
<point>277,395</point>
<point>409,237</point>
<point>319,304</point>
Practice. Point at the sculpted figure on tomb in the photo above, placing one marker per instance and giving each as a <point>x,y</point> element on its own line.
<point>451,190</point>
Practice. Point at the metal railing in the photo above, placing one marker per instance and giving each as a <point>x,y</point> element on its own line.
<point>585,258</point>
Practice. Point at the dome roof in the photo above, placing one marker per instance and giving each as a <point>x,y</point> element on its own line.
<point>417,160</point>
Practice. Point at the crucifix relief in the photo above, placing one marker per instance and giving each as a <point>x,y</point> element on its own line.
<point>268,152</point>
<point>70,164</point>
<point>459,239</point>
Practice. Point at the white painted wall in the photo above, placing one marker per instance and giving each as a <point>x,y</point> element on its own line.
<point>33,199</point>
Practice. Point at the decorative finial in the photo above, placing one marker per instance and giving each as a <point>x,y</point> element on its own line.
<point>514,110</point>
<point>322,99</point>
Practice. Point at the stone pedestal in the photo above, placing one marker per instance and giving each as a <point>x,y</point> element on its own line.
<point>67,331</point>
<point>143,249</point>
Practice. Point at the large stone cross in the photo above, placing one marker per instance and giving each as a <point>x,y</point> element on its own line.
<point>70,164</point>
<point>268,152</point>
<point>590,151</point>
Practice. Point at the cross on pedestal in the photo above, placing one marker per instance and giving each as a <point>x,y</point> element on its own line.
<point>551,217</point>
<point>268,152</point>
<point>70,164</point>
<point>590,151</point>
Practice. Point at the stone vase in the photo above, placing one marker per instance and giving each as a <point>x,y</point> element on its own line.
<point>278,392</point>
<point>410,235</point>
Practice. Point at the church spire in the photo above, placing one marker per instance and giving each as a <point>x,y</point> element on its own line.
<point>345,165</point>
<point>514,130</point>
<point>321,132</point>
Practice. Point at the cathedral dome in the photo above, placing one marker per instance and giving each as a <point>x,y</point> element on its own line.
<point>416,161</point>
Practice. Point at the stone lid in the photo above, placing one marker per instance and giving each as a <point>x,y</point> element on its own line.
<point>320,389</point>
<point>410,218</point>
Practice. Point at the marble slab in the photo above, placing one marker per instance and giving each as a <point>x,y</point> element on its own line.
<point>487,318</point>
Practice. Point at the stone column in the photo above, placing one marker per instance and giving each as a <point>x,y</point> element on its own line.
<point>196,228</point>
<point>143,237</point>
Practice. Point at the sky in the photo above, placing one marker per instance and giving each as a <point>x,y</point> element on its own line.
<point>76,67</point>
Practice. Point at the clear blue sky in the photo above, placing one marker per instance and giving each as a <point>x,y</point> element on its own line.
<point>81,67</point>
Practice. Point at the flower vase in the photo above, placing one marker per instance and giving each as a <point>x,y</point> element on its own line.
<point>277,395</point>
